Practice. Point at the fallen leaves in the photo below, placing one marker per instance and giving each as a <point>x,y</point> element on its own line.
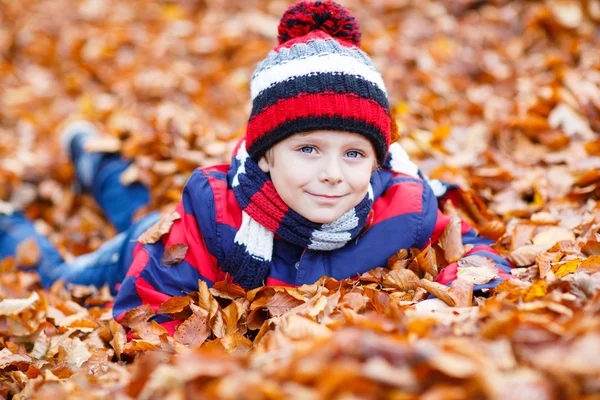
<point>510,116</point>
<point>477,269</point>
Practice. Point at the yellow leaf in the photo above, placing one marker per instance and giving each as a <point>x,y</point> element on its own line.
<point>566,268</point>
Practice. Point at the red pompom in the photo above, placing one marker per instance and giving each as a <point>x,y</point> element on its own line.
<point>306,16</point>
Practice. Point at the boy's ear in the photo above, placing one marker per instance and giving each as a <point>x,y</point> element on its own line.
<point>264,164</point>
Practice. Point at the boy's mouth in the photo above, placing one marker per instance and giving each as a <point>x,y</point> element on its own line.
<point>321,198</point>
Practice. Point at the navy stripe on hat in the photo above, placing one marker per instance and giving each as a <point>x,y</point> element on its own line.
<point>317,83</point>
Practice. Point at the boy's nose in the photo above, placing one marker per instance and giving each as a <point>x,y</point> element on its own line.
<point>331,172</point>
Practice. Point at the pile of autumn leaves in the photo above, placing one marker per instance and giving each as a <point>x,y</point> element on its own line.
<point>359,337</point>
<point>524,142</point>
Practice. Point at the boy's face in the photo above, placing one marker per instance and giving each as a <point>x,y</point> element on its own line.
<point>321,174</point>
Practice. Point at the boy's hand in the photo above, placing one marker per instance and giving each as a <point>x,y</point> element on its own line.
<point>431,305</point>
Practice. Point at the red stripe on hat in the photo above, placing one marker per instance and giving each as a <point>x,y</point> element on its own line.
<point>346,105</point>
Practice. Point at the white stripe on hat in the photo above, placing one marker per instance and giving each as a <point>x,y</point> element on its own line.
<point>333,63</point>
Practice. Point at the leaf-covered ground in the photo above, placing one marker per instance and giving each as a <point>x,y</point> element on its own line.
<point>500,97</point>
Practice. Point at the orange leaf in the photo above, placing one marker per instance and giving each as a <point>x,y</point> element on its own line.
<point>566,268</point>
<point>174,305</point>
<point>227,290</point>
<point>591,264</point>
<point>174,254</point>
<point>537,290</point>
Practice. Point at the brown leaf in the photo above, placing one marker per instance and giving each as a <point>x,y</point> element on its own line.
<point>462,292</point>
<point>591,264</point>
<point>526,255</point>
<point>150,331</point>
<point>119,339</point>
<point>591,248</point>
<point>136,316</point>
<point>427,262</point>
<point>282,302</point>
<point>194,331</point>
<point>228,290</point>
<point>153,234</point>
<point>28,253</point>
<point>174,305</point>
<point>402,279</point>
<point>138,346</point>
<point>438,290</point>
<point>451,241</point>
<point>174,254</point>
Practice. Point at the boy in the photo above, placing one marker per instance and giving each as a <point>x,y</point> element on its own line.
<point>314,188</point>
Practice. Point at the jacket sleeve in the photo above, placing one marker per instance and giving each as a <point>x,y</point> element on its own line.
<point>481,246</point>
<point>150,281</point>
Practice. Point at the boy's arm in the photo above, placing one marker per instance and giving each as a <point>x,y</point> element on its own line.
<point>150,281</point>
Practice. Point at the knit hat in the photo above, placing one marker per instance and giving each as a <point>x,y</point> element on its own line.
<point>318,78</point>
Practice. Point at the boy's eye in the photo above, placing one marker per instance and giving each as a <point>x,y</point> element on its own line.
<point>354,154</point>
<point>306,149</point>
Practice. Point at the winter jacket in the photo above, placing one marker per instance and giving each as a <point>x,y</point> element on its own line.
<point>404,215</point>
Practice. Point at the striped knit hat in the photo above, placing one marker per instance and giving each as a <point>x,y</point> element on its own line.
<point>317,79</point>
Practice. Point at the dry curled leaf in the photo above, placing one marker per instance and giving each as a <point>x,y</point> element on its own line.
<point>282,302</point>
<point>174,254</point>
<point>451,240</point>
<point>438,290</point>
<point>194,331</point>
<point>477,269</point>
<point>153,234</point>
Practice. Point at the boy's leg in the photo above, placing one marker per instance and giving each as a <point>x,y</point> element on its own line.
<point>16,228</point>
<point>99,174</point>
<point>107,265</point>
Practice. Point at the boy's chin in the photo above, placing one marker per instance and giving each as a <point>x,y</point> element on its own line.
<point>325,217</point>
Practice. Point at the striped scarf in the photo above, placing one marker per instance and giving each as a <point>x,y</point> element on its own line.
<point>264,215</point>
